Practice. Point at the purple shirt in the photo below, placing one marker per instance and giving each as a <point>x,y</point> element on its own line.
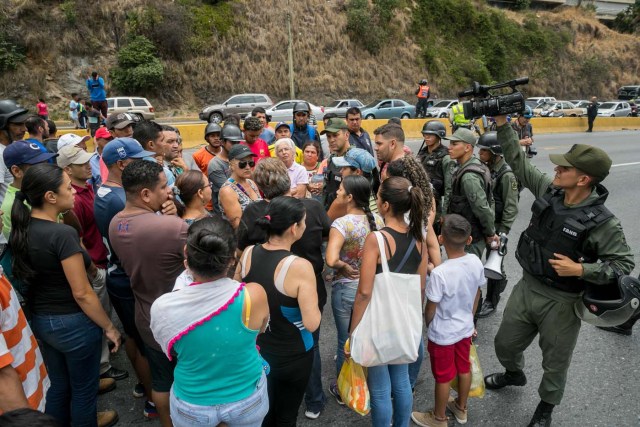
<point>298,175</point>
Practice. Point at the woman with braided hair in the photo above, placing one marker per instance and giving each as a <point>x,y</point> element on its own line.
<point>344,254</point>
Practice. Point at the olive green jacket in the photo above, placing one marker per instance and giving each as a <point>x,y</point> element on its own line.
<point>507,187</point>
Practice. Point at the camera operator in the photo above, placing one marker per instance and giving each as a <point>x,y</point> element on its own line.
<point>572,240</point>
<point>523,128</point>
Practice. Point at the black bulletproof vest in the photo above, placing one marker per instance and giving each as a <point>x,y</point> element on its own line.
<point>459,202</point>
<point>432,163</point>
<point>555,228</point>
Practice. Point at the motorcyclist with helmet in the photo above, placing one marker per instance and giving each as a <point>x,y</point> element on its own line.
<point>12,128</point>
<point>435,159</point>
<point>301,130</point>
<point>218,169</point>
<point>522,126</point>
<point>505,196</point>
<point>573,242</point>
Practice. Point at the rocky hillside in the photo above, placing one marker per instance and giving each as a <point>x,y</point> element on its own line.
<point>207,50</point>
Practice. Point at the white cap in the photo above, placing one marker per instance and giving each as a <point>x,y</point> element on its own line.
<point>71,139</point>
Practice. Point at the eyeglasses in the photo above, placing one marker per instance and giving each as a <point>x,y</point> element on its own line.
<point>210,185</point>
<point>244,164</point>
<point>301,114</point>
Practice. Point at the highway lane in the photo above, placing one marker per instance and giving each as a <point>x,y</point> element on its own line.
<point>602,388</point>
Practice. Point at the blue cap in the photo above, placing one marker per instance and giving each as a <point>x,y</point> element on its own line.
<point>357,158</point>
<point>280,124</point>
<point>25,153</point>
<point>122,149</point>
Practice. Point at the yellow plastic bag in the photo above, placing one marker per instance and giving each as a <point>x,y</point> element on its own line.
<point>352,384</point>
<point>477,379</point>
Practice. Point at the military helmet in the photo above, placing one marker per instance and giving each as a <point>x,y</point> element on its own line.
<point>527,113</point>
<point>231,133</point>
<point>434,127</point>
<point>11,111</point>
<point>301,106</point>
<point>611,305</point>
<point>489,141</point>
<point>423,82</point>
<point>212,128</point>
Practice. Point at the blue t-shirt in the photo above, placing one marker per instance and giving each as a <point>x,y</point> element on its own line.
<point>96,179</point>
<point>96,89</point>
<point>108,202</point>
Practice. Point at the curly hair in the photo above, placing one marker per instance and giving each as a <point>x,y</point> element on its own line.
<point>408,167</point>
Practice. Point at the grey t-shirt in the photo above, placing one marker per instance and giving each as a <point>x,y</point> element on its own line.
<point>218,172</point>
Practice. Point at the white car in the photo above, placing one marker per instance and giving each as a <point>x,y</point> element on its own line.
<point>614,109</point>
<point>283,111</point>
<point>539,100</point>
<point>139,108</point>
<point>441,108</point>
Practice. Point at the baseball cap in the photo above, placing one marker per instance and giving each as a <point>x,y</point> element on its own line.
<point>589,159</point>
<point>357,158</point>
<point>24,153</point>
<point>464,135</point>
<point>72,155</point>
<point>240,151</point>
<point>119,121</point>
<point>334,125</point>
<point>122,149</point>
<point>102,133</point>
<point>279,125</point>
<point>71,139</point>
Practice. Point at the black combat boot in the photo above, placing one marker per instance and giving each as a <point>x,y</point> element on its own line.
<point>542,416</point>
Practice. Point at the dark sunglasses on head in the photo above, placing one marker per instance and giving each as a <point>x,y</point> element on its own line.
<point>243,164</point>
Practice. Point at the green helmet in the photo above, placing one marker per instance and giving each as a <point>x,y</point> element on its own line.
<point>489,141</point>
<point>434,127</point>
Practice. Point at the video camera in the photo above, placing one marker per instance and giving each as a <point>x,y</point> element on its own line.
<point>486,104</point>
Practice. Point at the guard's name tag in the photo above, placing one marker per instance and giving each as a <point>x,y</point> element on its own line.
<point>570,232</point>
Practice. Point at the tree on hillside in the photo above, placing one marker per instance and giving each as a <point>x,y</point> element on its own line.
<point>628,21</point>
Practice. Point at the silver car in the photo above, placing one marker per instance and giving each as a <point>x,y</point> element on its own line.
<point>441,108</point>
<point>340,106</point>
<point>614,109</point>
<point>139,108</point>
<point>283,111</point>
<point>237,104</point>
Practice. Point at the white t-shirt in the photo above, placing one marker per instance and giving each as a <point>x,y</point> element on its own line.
<point>454,285</point>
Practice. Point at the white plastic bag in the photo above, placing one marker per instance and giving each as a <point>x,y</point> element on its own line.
<point>391,327</point>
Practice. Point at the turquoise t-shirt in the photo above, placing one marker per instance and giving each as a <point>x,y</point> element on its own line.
<point>218,361</point>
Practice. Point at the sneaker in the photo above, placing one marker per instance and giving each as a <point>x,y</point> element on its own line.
<point>311,415</point>
<point>460,414</point>
<point>428,419</point>
<point>333,389</point>
<point>105,385</point>
<point>115,373</point>
<point>107,418</point>
<point>139,390</point>
<point>150,410</point>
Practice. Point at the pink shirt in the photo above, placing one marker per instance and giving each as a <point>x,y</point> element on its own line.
<point>43,110</point>
<point>259,148</point>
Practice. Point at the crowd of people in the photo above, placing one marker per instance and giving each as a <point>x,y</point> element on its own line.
<point>218,270</point>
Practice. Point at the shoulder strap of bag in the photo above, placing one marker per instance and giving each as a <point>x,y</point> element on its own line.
<point>406,255</point>
<point>282,274</point>
<point>383,256</point>
<point>245,256</point>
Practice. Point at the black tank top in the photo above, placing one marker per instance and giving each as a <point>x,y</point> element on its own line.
<point>285,334</point>
<point>402,240</point>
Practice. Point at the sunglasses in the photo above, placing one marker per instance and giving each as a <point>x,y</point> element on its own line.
<point>301,114</point>
<point>243,164</point>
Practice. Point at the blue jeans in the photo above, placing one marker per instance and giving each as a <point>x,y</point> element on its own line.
<point>384,381</point>
<point>342,296</point>
<point>246,412</point>
<point>414,368</point>
<point>70,345</point>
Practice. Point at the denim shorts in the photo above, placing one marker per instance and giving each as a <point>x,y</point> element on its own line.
<point>247,412</point>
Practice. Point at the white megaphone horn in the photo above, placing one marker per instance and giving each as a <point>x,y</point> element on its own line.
<point>493,266</point>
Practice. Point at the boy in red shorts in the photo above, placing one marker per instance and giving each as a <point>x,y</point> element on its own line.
<point>453,292</point>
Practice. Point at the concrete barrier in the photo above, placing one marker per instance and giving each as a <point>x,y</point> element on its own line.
<point>193,134</point>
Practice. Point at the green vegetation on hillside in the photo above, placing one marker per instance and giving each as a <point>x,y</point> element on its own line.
<point>628,21</point>
<point>372,25</point>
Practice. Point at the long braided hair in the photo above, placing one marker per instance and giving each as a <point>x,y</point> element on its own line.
<point>360,189</point>
<point>408,167</point>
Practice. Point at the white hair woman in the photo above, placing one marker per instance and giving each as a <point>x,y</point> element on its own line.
<point>286,151</point>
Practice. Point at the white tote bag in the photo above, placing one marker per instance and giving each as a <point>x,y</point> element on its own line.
<point>391,327</point>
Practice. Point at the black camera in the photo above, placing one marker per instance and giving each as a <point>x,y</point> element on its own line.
<point>484,103</point>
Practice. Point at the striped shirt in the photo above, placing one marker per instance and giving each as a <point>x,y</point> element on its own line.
<point>18,348</point>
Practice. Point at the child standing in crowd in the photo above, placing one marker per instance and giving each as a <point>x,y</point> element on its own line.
<point>43,109</point>
<point>453,293</point>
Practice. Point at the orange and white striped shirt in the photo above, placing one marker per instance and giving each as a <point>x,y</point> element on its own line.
<point>18,348</point>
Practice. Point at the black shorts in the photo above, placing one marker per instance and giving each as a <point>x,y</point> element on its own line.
<point>161,370</point>
<point>123,302</point>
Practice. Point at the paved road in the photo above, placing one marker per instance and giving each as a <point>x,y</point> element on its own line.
<point>603,382</point>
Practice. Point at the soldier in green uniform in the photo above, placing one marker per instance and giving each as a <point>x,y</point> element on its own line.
<point>572,240</point>
<point>435,159</point>
<point>505,197</point>
<point>469,193</point>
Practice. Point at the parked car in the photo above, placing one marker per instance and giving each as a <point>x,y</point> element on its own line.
<point>561,109</point>
<point>388,108</point>
<point>614,109</point>
<point>237,104</point>
<point>283,111</point>
<point>629,92</point>
<point>634,108</point>
<point>139,108</point>
<point>441,108</point>
<point>340,106</point>
<point>539,100</point>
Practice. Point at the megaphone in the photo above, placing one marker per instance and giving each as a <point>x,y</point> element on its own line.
<point>492,268</point>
